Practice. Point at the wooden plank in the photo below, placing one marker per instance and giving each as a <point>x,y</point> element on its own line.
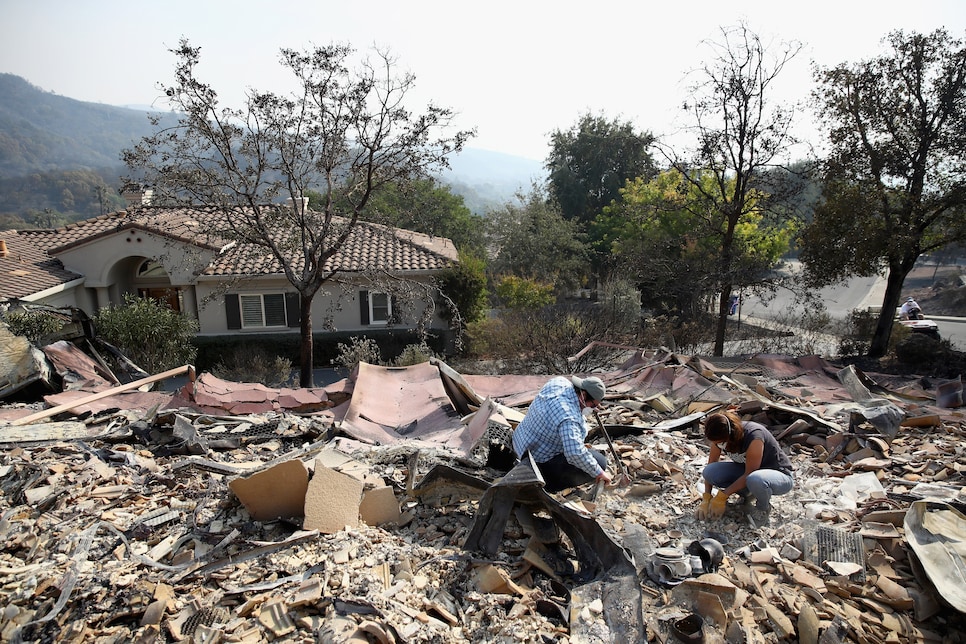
<point>53,411</point>
<point>70,430</point>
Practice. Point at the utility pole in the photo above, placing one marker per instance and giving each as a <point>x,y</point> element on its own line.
<point>100,198</point>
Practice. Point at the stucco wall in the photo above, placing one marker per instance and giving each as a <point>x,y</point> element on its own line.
<point>339,304</point>
<point>98,258</point>
<point>110,264</point>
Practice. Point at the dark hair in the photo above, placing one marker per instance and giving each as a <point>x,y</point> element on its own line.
<point>724,426</point>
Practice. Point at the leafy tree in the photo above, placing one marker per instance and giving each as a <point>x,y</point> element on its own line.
<point>147,332</point>
<point>531,239</point>
<point>465,286</point>
<point>590,163</point>
<point>344,132</point>
<point>894,178</point>
<point>667,240</point>
<point>427,207</point>
<point>521,293</point>
<point>53,199</point>
<point>740,133</point>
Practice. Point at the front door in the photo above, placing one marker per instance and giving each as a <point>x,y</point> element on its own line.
<point>169,296</point>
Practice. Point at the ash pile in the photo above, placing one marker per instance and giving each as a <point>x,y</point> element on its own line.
<point>387,507</point>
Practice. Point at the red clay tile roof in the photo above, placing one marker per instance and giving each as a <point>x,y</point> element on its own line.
<point>369,246</point>
<point>190,226</point>
<point>27,268</point>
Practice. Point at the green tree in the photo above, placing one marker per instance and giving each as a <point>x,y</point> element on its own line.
<point>894,178</point>
<point>668,241</point>
<point>427,207</point>
<point>591,162</point>
<point>522,293</point>
<point>148,333</point>
<point>740,133</point>
<point>345,133</point>
<point>531,239</point>
<point>465,286</point>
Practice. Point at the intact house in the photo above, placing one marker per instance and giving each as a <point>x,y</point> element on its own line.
<point>173,255</point>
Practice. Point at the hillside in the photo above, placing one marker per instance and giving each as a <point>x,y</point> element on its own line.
<point>44,132</point>
<point>60,155</point>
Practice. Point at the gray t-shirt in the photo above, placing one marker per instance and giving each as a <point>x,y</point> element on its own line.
<point>772,458</point>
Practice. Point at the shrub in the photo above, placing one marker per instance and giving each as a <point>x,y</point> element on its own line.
<point>521,293</point>
<point>33,325</point>
<point>414,354</point>
<point>358,350</point>
<point>675,333</point>
<point>480,337</point>
<point>856,337</point>
<point>254,364</point>
<point>621,301</point>
<point>541,340</point>
<point>150,334</point>
<point>918,350</point>
<point>465,286</point>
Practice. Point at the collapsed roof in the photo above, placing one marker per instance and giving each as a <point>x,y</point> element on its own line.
<point>384,508</point>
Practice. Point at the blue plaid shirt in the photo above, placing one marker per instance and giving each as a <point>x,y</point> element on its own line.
<point>553,425</point>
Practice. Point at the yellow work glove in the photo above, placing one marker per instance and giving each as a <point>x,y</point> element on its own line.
<point>718,504</point>
<point>705,507</point>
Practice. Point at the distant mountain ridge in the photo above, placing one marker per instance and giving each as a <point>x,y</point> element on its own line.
<point>42,132</point>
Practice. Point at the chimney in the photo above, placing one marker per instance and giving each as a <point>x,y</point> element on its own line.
<point>3,248</point>
<point>137,195</point>
<point>290,202</point>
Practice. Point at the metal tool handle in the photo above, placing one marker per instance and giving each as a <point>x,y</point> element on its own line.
<point>613,450</point>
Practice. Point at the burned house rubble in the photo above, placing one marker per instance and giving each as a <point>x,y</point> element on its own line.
<point>387,507</point>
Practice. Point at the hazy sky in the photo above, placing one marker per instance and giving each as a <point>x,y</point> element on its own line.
<point>515,70</point>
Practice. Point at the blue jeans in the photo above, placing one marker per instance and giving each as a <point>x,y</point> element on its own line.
<point>761,483</point>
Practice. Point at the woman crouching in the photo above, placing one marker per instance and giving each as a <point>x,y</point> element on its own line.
<point>757,467</point>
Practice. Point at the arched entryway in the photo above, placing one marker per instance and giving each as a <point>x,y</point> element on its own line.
<point>151,280</point>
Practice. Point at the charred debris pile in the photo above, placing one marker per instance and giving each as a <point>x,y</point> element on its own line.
<point>387,507</point>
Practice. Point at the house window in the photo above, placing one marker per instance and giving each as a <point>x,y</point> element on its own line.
<point>262,310</point>
<point>151,268</point>
<point>380,308</point>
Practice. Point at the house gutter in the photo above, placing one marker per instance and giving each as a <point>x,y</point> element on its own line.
<point>61,288</point>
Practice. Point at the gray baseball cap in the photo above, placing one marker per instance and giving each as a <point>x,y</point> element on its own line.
<point>592,385</point>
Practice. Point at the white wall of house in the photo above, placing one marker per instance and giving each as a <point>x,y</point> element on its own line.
<point>339,304</point>
<point>110,265</point>
<point>99,258</point>
<point>66,295</point>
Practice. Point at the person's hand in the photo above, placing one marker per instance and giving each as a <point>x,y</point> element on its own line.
<point>605,477</point>
<point>718,504</point>
<point>705,507</point>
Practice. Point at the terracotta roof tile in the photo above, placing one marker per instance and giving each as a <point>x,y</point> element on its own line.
<point>367,247</point>
<point>191,226</point>
<point>31,264</point>
<point>26,268</point>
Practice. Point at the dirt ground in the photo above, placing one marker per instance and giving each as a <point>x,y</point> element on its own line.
<point>938,290</point>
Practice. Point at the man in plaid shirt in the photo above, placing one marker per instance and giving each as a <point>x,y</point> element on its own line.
<point>553,431</point>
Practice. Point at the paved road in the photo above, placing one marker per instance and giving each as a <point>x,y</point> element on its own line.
<point>952,329</point>
<point>841,300</point>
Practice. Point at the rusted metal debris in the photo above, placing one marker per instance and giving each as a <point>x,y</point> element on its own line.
<point>315,517</point>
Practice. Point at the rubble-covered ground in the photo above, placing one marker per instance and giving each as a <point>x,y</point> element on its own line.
<point>124,523</point>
